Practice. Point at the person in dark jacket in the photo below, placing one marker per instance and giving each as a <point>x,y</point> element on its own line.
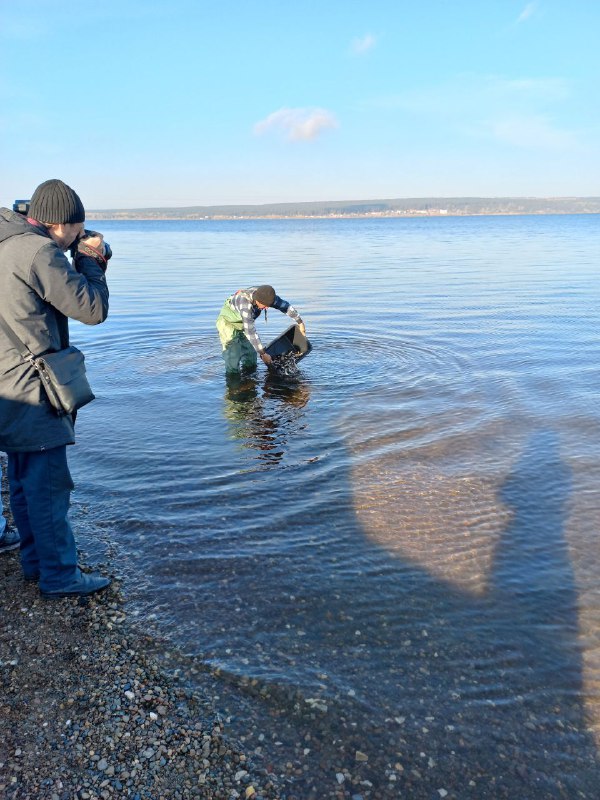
<point>240,341</point>
<point>40,288</point>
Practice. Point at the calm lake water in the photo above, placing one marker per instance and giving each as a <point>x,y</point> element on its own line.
<point>400,549</point>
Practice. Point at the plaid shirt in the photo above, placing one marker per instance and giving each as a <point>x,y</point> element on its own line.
<point>241,302</point>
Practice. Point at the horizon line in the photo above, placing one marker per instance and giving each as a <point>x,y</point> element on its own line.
<point>423,198</point>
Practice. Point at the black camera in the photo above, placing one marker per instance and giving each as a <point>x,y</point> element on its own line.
<point>21,207</point>
<point>87,235</point>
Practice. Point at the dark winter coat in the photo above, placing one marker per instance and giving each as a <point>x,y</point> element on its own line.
<point>39,290</point>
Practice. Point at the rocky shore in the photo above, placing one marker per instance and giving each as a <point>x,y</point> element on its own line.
<point>93,707</point>
<point>85,713</point>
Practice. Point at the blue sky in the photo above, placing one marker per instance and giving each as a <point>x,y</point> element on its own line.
<point>151,103</point>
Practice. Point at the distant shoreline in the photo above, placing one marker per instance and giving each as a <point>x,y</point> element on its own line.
<point>117,216</point>
<point>388,208</point>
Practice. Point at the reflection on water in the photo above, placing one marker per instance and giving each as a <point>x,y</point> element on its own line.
<point>397,553</point>
<point>263,412</point>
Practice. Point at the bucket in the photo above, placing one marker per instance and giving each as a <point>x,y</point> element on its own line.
<point>290,341</point>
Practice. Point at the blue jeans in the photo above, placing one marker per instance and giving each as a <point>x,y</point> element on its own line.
<point>40,490</point>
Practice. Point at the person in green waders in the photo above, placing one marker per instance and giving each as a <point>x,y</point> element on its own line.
<point>237,331</point>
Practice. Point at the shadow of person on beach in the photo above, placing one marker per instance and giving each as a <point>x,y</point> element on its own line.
<point>533,586</point>
<point>343,657</point>
<point>533,613</point>
<point>438,689</point>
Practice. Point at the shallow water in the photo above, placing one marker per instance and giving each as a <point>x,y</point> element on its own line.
<point>408,531</point>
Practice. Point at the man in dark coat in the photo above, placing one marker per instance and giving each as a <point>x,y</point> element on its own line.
<point>40,288</point>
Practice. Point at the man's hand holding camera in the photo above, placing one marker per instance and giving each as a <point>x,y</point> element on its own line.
<point>92,244</point>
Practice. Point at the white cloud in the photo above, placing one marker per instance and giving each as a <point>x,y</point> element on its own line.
<point>298,124</point>
<point>527,12</point>
<point>361,46</point>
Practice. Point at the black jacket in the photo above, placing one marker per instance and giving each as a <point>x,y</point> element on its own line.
<point>39,289</point>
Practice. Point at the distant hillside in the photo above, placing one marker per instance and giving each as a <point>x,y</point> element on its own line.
<point>411,206</point>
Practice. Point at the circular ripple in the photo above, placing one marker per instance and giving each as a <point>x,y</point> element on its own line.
<point>340,361</point>
<point>355,361</point>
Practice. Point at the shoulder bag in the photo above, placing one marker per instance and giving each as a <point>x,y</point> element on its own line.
<point>62,375</point>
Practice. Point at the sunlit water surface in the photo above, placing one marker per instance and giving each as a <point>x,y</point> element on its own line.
<point>406,536</point>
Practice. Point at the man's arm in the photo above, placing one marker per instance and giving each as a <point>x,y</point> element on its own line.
<point>247,314</point>
<point>286,308</point>
<point>79,292</point>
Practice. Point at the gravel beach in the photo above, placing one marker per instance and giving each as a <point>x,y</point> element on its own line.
<point>89,711</point>
<point>85,713</point>
<point>92,708</point>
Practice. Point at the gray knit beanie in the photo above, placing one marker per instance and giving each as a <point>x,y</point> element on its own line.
<point>54,202</point>
<point>264,295</point>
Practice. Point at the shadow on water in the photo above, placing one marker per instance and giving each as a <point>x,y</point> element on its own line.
<point>337,656</point>
<point>540,729</point>
<point>432,689</point>
<point>533,586</point>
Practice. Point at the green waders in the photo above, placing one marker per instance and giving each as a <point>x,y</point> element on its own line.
<point>236,347</point>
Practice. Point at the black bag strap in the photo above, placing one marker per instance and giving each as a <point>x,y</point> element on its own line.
<point>22,348</point>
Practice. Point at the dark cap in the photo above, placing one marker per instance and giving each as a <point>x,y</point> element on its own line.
<point>54,202</point>
<point>265,295</point>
